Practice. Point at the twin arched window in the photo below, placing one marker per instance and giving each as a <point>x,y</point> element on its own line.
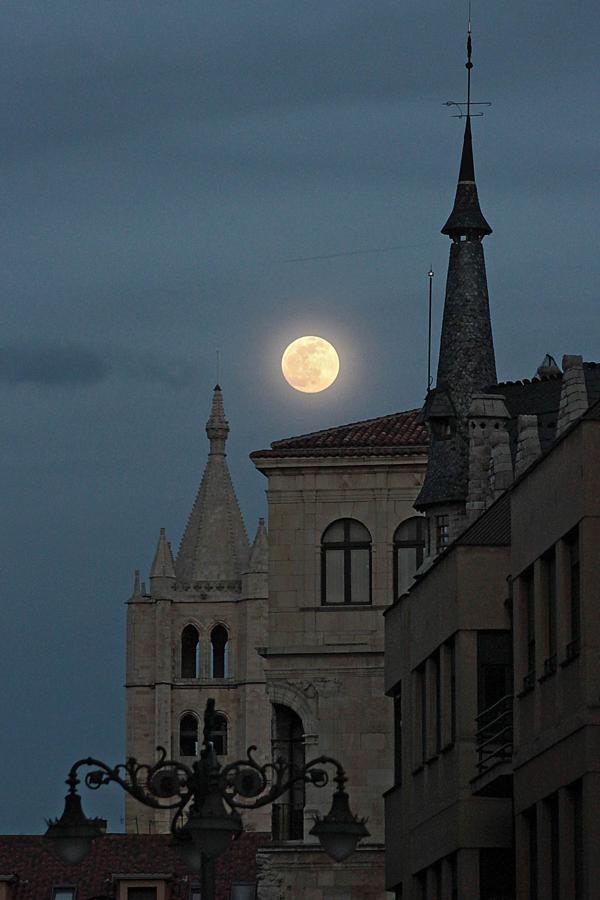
<point>346,560</point>
<point>346,563</point>
<point>189,744</point>
<point>190,652</point>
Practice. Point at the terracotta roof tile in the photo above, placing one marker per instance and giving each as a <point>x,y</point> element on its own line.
<point>393,435</point>
<point>38,871</point>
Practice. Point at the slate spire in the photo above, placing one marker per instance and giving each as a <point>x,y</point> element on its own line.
<point>214,548</point>
<point>466,362</point>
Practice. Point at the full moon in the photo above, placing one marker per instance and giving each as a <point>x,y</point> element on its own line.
<point>310,364</point>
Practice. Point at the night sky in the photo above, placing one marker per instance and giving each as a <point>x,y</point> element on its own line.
<point>162,163</point>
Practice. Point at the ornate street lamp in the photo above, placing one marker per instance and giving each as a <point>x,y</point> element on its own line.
<point>205,798</point>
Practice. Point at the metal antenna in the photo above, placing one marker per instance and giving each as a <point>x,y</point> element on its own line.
<point>469,64</point>
<point>218,366</point>
<point>430,276</point>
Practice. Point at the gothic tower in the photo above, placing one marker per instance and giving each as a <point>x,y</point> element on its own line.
<point>466,364</point>
<point>194,634</point>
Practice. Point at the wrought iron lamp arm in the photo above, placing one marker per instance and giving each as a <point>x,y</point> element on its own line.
<point>130,774</point>
<point>261,785</point>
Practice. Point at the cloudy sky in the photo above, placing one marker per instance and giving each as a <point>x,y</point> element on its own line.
<point>167,168</point>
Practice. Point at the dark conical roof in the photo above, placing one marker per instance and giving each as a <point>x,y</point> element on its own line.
<point>466,215</point>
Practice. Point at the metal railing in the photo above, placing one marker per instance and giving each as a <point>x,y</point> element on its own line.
<point>287,822</point>
<point>494,735</point>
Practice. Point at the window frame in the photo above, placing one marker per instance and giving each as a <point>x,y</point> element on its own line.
<point>62,888</point>
<point>417,544</point>
<point>191,715</point>
<point>347,546</point>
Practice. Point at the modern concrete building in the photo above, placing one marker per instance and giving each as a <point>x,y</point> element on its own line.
<point>491,657</point>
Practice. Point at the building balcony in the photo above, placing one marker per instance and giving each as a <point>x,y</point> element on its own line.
<point>494,747</point>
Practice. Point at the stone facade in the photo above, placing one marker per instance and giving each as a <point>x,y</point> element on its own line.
<point>325,660</point>
<point>293,658</point>
<point>217,580</point>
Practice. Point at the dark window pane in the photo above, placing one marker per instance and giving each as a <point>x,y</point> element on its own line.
<point>360,574</point>
<point>218,640</point>
<point>334,577</point>
<point>188,736</point>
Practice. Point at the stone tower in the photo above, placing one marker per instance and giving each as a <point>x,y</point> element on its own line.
<point>466,364</point>
<point>195,633</point>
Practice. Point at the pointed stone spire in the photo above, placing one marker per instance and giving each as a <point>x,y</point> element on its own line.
<point>255,583</point>
<point>217,427</point>
<point>466,362</point>
<point>163,566</point>
<point>466,215</point>
<point>259,553</point>
<point>214,548</point>
<point>137,587</point>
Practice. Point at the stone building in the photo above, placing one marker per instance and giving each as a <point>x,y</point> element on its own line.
<point>343,541</point>
<point>491,657</point>
<point>286,634</point>
<point>194,634</point>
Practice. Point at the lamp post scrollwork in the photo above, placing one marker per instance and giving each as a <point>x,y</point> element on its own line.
<point>206,800</point>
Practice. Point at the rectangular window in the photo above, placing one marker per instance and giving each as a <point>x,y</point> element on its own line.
<point>437,700</point>
<point>195,892</point>
<point>575,592</point>
<point>423,710</point>
<point>494,668</point>
<point>550,578</point>
<point>142,893</point>
<point>577,840</point>
<point>419,716</point>
<point>552,807</point>
<point>529,601</point>
<point>63,893</point>
<point>398,736</point>
<point>496,874</point>
<point>442,532</point>
<point>452,661</point>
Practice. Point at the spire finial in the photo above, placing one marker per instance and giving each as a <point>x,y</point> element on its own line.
<point>469,64</point>
<point>217,427</point>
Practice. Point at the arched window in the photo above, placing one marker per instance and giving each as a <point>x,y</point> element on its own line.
<point>219,734</point>
<point>190,652</point>
<point>288,744</point>
<point>346,563</point>
<point>188,735</point>
<point>219,652</point>
<point>409,547</point>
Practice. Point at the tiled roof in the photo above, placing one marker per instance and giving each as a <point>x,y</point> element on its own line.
<point>393,435</point>
<point>492,528</point>
<point>38,871</point>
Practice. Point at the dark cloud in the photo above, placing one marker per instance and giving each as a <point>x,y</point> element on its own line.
<point>49,364</point>
<point>70,365</point>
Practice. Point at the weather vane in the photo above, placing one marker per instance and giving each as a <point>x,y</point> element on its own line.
<point>460,104</point>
